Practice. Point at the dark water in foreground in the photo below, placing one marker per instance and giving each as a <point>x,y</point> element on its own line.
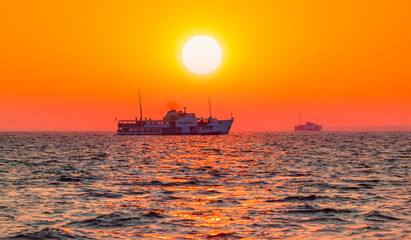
<point>251,185</point>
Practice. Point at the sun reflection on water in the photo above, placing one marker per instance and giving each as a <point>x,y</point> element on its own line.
<point>244,186</point>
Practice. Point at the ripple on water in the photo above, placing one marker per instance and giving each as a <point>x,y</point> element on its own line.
<point>49,233</point>
<point>245,185</point>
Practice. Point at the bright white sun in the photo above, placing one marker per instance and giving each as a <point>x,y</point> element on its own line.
<point>202,55</point>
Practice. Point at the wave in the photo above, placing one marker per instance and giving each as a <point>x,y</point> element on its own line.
<point>48,233</point>
<point>119,219</point>
<point>309,209</point>
<point>106,221</point>
<point>295,198</point>
<point>68,178</point>
<point>376,216</point>
<point>101,195</point>
<point>224,236</point>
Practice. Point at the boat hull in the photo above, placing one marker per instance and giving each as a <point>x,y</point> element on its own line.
<point>316,130</point>
<point>173,134</point>
<point>214,127</point>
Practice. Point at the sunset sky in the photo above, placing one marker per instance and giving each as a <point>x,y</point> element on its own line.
<point>78,65</point>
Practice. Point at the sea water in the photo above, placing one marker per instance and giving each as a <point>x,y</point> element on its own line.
<point>244,185</point>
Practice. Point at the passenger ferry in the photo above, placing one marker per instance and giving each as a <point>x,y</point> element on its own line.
<point>308,127</point>
<point>175,123</point>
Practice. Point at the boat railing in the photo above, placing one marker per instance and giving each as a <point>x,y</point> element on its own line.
<point>143,122</point>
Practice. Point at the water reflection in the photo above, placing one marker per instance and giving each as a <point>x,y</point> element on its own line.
<point>248,186</point>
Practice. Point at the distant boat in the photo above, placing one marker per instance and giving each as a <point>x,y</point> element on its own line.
<point>175,123</point>
<point>308,127</point>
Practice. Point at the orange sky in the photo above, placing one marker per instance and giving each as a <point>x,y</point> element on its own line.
<point>77,65</point>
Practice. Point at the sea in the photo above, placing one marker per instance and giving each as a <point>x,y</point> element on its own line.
<point>273,185</point>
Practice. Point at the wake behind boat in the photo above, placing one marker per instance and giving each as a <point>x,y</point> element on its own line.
<point>175,123</point>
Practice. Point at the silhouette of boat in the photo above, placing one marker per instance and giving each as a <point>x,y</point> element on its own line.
<point>308,126</point>
<point>175,123</point>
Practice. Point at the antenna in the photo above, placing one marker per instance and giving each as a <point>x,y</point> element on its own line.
<point>209,106</point>
<point>141,109</point>
<point>300,118</point>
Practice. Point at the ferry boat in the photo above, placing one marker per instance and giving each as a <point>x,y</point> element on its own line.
<point>175,123</point>
<point>309,126</point>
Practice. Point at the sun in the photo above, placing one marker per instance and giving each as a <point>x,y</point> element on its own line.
<point>202,55</point>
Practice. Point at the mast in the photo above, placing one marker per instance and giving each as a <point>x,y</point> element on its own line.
<point>141,110</point>
<point>209,106</point>
<point>300,118</point>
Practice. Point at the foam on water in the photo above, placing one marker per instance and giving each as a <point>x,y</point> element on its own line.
<point>248,185</point>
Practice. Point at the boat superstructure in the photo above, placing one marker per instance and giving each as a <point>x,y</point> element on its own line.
<point>175,123</point>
